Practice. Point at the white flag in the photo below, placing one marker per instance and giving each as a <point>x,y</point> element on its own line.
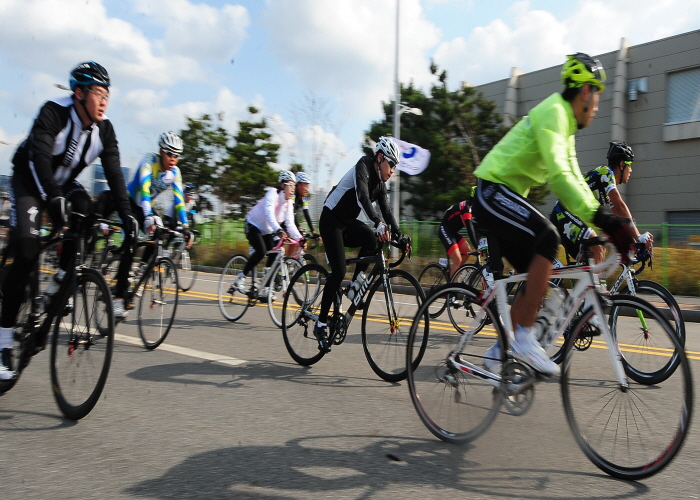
<point>414,159</point>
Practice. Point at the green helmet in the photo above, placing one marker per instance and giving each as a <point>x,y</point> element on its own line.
<point>580,69</point>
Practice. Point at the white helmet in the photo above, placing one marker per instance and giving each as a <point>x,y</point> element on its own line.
<point>170,141</point>
<point>387,146</point>
<point>286,176</point>
<point>303,177</point>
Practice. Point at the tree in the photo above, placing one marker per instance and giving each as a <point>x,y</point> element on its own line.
<point>458,127</point>
<point>246,168</point>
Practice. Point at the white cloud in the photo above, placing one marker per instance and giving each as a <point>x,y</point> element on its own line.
<point>346,48</point>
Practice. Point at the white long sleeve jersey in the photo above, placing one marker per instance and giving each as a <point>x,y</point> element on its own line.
<point>271,211</point>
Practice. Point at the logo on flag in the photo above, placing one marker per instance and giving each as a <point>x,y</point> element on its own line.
<point>414,159</point>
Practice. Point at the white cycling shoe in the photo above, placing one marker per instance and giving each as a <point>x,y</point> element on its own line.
<point>526,349</point>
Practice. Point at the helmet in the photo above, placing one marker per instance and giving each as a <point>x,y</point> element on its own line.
<point>387,146</point>
<point>580,69</point>
<point>619,151</point>
<point>303,177</point>
<point>286,176</point>
<point>170,141</point>
<point>89,73</point>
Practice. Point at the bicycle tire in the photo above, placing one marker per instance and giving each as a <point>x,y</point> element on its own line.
<point>309,259</point>
<point>390,317</point>
<point>279,286</point>
<point>21,339</point>
<point>80,355</point>
<point>157,302</point>
<point>638,363</point>
<point>430,278</point>
<point>301,303</point>
<point>233,303</point>
<point>596,406</point>
<point>187,265</point>
<point>458,310</point>
<point>457,406</point>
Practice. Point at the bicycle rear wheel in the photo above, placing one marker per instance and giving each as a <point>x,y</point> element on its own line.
<point>80,354</point>
<point>233,301</point>
<point>640,360</point>
<point>279,287</point>
<point>459,310</point>
<point>455,405</point>
<point>19,355</point>
<point>386,321</point>
<point>186,264</point>
<point>300,309</point>
<point>431,277</point>
<point>632,432</point>
<point>158,302</point>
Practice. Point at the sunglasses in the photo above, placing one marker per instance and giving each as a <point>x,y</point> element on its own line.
<point>100,96</point>
<point>628,163</point>
<point>171,155</point>
<point>392,164</point>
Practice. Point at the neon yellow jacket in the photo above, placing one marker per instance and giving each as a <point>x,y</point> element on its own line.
<point>539,148</point>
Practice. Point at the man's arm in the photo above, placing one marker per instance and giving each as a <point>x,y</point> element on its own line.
<point>179,199</point>
<point>362,193</point>
<point>40,149</point>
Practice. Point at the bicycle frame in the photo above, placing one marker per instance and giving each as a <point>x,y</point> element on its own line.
<point>587,283</point>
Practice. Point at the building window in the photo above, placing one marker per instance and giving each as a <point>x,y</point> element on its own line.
<point>683,96</point>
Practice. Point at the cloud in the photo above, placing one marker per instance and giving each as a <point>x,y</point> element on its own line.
<point>346,48</point>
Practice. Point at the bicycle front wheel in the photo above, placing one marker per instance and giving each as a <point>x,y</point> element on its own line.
<point>279,287</point>
<point>187,268</point>
<point>390,309</point>
<point>300,309</point>
<point>233,301</point>
<point>640,360</point>
<point>158,302</point>
<point>431,277</point>
<point>628,432</point>
<point>81,353</point>
<point>454,396</point>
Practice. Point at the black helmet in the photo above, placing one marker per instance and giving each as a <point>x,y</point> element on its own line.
<point>88,73</point>
<point>619,151</point>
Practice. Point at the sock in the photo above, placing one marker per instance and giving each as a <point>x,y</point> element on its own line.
<point>6,335</point>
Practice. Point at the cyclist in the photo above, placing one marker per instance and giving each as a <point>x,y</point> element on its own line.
<point>603,181</point>
<point>68,134</point>
<point>457,217</point>
<point>362,185</point>
<point>263,224</point>
<point>539,148</point>
<point>301,200</point>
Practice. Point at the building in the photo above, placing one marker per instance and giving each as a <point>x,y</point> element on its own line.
<point>652,102</point>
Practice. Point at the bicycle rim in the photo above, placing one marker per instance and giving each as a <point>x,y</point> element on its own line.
<point>278,288</point>
<point>187,269</point>
<point>456,405</point>
<point>431,277</point>
<point>634,432</point>
<point>80,354</point>
<point>158,303</point>
<point>233,302</point>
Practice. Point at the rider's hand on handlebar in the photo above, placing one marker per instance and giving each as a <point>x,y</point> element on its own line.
<point>150,223</point>
<point>382,232</point>
<point>618,230</point>
<point>646,238</point>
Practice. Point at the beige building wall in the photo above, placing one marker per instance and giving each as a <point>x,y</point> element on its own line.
<point>665,184</point>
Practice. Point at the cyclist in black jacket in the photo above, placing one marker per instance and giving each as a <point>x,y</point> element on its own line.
<point>68,134</point>
<point>340,228</point>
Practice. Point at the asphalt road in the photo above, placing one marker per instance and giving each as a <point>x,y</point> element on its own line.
<point>221,411</point>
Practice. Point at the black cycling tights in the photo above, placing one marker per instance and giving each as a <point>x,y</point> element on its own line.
<point>336,236</point>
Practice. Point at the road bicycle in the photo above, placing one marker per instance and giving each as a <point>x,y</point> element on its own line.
<point>388,298</point>
<point>154,284</point>
<point>629,427</point>
<point>436,274</point>
<point>184,256</point>
<point>82,318</point>
<point>234,300</point>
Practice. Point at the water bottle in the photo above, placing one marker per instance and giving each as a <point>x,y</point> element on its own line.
<point>488,276</point>
<point>549,310</point>
<point>356,285</point>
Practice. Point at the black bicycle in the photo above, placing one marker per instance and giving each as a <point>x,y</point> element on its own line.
<point>389,299</point>
<point>81,315</point>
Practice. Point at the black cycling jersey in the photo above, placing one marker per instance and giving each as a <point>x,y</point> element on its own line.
<point>356,191</point>
<point>59,148</point>
<point>303,203</point>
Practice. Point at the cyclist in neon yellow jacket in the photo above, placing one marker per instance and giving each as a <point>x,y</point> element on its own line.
<point>541,148</point>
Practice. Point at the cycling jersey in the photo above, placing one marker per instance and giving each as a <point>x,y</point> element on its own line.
<point>303,203</point>
<point>356,191</point>
<point>601,180</point>
<point>541,148</point>
<point>272,210</point>
<point>59,148</point>
<point>456,217</point>
<point>150,181</point>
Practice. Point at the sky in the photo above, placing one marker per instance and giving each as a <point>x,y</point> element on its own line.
<point>318,70</point>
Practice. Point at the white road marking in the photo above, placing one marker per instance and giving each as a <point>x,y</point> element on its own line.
<point>218,358</point>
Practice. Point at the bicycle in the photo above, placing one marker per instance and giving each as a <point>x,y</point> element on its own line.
<point>457,398</point>
<point>184,256</point>
<point>436,274</point>
<point>82,318</point>
<point>383,320</point>
<point>155,284</point>
<point>234,301</point>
